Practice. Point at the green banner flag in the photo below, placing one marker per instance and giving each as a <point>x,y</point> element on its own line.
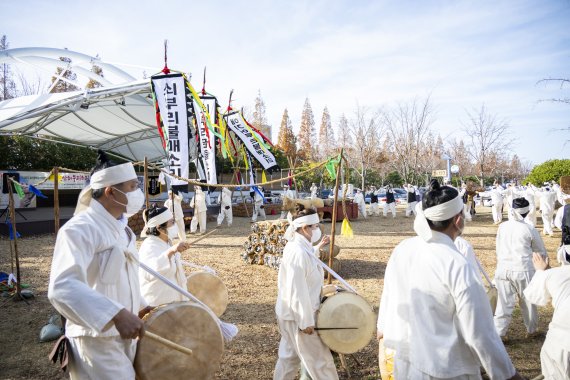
<point>19,190</point>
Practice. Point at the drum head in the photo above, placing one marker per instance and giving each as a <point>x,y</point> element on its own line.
<point>346,309</point>
<point>190,325</point>
<point>209,289</point>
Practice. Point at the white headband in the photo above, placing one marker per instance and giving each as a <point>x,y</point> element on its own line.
<point>156,221</point>
<point>437,213</point>
<point>102,179</point>
<point>306,220</point>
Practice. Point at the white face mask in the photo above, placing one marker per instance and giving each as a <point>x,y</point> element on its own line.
<point>172,231</point>
<point>135,201</point>
<point>316,236</point>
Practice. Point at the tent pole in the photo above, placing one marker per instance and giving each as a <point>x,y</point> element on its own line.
<point>56,199</point>
<point>147,201</point>
<point>15,235</point>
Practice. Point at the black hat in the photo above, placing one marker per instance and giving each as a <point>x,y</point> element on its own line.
<point>520,203</point>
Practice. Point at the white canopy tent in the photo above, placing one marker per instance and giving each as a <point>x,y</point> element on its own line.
<point>118,117</point>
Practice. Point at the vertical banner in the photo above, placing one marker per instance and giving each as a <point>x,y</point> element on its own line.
<point>206,161</point>
<point>171,96</point>
<point>238,126</point>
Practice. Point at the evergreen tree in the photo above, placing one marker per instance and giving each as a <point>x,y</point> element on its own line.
<point>259,117</point>
<point>62,85</point>
<point>307,135</point>
<point>326,136</point>
<point>7,84</point>
<point>286,140</point>
<point>93,83</point>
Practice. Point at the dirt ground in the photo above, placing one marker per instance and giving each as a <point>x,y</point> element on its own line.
<point>252,288</point>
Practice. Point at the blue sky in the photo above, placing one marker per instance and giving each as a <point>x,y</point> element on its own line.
<point>337,53</point>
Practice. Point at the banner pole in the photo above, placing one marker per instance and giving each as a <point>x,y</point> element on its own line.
<point>147,201</point>
<point>15,235</point>
<point>335,208</point>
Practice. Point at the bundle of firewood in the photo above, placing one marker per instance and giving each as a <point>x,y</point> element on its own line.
<point>264,246</point>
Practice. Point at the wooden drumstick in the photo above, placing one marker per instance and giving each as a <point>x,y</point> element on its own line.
<point>168,343</point>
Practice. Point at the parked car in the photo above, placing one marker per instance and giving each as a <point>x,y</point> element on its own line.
<point>325,194</point>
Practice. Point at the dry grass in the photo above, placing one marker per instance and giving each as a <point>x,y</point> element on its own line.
<point>253,353</point>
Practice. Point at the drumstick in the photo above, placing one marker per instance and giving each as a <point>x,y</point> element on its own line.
<point>335,328</point>
<point>168,343</point>
<point>203,237</point>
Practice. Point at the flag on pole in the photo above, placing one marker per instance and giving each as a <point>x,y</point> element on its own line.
<point>11,230</point>
<point>36,191</point>
<point>19,189</point>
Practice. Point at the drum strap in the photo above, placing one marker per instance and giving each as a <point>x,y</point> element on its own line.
<point>334,274</point>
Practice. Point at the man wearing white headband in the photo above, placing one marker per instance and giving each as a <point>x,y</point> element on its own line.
<point>198,203</point>
<point>158,252</point>
<point>299,284</point>
<point>225,200</point>
<point>516,241</point>
<point>547,201</point>
<point>434,312</point>
<point>93,283</point>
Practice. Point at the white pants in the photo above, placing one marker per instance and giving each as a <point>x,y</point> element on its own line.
<point>509,286</point>
<point>410,210</point>
<point>374,209</point>
<point>296,347</point>
<point>497,213</point>
<point>199,218</point>
<point>225,214</point>
<point>391,207</point>
<point>403,370</point>
<point>362,209</point>
<point>554,359</point>
<point>102,358</point>
<point>547,223</point>
<point>260,212</point>
<point>181,228</point>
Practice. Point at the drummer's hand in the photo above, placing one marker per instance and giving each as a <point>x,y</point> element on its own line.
<point>309,330</point>
<point>130,326</point>
<point>324,241</point>
<point>145,311</point>
<point>180,247</point>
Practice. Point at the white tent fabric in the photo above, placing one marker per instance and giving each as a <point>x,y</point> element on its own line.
<point>116,118</point>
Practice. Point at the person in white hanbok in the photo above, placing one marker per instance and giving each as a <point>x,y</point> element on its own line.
<point>374,209</point>
<point>360,202</point>
<point>497,203</point>
<point>516,242</point>
<point>258,207</point>
<point>530,195</point>
<point>94,276</point>
<point>314,190</point>
<point>198,203</point>
<point>390,204</point>
<point>174,204</point>
<point>225,207</point>
<point>412,200</point>
<point>547,201</point>
<point>299,285</point>
<point>158,253</point>
<point>553,284</point>
<point>427,272</point>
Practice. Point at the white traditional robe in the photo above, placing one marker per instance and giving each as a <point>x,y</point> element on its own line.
<point>91,280</point>
<point>555,354</point>
<point>176,209</point>
<point>361,203</point>
<point>225,207</point>
<point>314,190</point>
<point>299,285</point>
<point>154,253</point>
<point>530,195</point>
<point>515,243</point>
<point>198,203</point>
<point>457,334</point>
<point>466,249</point>
<point>258,208</point>
<point>410,208</point>
<point>547,201</point>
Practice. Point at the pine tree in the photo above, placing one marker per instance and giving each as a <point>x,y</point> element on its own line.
<point>259,118</point>
<point>62,85</point>
<point>7,84</point>
<point>326,136</point>
<point>286,140</point>
<point>92,82</point>
<point>307,135</point>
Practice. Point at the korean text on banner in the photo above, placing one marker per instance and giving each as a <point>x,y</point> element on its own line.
<point>170,94</point>
<point>206,161</point>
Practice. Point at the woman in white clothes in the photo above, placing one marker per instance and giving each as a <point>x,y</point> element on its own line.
<point>159,254</point>
<point>300,281</point>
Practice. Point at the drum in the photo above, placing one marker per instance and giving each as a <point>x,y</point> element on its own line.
<point>209,289</point>
<point>187,324</point>
<point>347,322</point>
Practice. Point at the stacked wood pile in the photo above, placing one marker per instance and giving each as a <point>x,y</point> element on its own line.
<point>270,209</point>
<point>264,246</point>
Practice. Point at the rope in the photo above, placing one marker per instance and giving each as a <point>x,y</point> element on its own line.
<point>193,182</point>
<point>72,170</point>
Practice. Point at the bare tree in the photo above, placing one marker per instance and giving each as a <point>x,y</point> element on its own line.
<point>407,127</point>
<point>365,153</point>
<point>326,136</point>
<point>7,85</point>
<point>488,136</point>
